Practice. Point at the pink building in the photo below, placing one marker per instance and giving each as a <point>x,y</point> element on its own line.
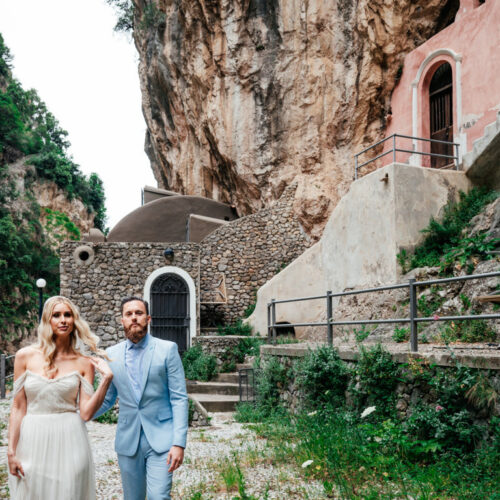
<point>450,87</point>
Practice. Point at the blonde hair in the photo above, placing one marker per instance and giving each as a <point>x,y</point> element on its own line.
<point>82,339</point>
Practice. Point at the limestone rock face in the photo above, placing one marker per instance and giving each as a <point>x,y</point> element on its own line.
<point>48,195</point>
<point>243,97</point>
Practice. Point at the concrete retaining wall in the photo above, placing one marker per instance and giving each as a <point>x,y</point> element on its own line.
<point>382,213</point>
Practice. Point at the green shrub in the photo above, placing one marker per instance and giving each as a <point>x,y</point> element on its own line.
<point>323,378</point>
<point>401,334</point>
<point>245,347</point>
<point>427,305</point>
<point>60,225</point>
<point>362,333</point>
<point>270,380</point>
<point>198,365</point>
<point>110,417</point>
<point>445,235</point>
<point>468,331</point>
<point>449,430</point>
<point>376,377</point>
<point>238,328</point>
<point>190,411</point>
<point>11,125</point>
<point>478,246</point>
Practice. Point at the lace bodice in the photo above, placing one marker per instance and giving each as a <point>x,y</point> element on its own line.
<point>57,395</point>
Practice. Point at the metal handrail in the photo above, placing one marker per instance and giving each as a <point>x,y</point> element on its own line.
<point>413,318</point>
<point>395,150</point>
<point>3,377</point>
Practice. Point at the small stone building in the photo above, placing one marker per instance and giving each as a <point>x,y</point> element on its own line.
<point>215,277</point>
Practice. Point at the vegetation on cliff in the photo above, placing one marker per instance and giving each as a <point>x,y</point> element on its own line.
<point>447,242</point>
<point>27,127</point>
<point>31,135</point>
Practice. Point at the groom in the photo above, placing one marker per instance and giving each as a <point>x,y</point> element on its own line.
<point>148,379</point>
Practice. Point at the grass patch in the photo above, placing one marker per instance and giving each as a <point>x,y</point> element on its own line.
<point>361,447</point>
<point>467,331</point>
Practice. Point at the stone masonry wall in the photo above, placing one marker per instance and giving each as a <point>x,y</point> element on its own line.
<point>248,252</point>
<point>218,345</point>
<point>407,392</point>
<point>117,270</point>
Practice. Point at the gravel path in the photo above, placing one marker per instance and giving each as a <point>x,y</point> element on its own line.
<point>209,466</point>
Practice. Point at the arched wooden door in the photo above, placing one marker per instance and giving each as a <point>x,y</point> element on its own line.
<point>169,297</point>
<point>441,114</point>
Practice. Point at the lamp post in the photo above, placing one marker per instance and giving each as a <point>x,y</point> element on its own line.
<point>41,284</point>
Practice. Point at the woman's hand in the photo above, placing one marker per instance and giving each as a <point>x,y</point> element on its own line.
<point>102,367</point>
<point>15,467</point>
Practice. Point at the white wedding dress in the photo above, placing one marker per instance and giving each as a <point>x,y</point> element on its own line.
<point>53,446</point>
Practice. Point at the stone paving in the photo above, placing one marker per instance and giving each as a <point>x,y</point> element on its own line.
<point>208,468</point>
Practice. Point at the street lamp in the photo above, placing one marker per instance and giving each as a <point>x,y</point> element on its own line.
<point>41,284</point>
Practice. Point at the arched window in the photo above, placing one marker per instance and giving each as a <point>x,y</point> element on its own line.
<point>441,114</point>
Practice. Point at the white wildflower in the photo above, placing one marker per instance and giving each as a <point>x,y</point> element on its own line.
<point>307,463</point>
<point>367,411</point>
<point>312,413</point>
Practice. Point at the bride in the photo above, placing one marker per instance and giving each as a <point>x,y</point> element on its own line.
<point>48,452</point>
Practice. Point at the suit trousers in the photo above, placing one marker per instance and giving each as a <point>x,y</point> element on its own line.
<point>145,472</point>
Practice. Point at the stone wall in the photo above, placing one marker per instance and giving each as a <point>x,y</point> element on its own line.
<point>117,270</point>
<point>248,252</point>
<point>413,389</point>
<point>219,345</point>
<point>245,253</point>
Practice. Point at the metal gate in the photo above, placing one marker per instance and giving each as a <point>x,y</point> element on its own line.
<point>169,296</point>
<point>441,115</point>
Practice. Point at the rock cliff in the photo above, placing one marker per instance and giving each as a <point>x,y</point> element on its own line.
<point>49,197</point>
<point>243,97</point>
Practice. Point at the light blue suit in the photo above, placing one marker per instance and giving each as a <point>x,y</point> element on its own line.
<point>161,415</point>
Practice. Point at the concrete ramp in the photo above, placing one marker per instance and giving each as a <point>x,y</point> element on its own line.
<point>482,164</point>
<point>382,213</point>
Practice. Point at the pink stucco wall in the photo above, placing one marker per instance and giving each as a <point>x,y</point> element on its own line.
<point>475,38</point>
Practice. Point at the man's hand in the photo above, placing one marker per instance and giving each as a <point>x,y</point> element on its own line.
<point>175,458</point>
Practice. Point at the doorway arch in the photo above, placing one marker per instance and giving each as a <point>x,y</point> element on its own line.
<point>171,294</point>
<point>441,114</point>
<point>420,98</point>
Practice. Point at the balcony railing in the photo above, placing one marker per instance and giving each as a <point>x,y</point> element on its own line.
<point>392,146</point>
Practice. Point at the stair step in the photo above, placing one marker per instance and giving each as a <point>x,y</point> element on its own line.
<point>216,403</point>
<point>243,366</point>
<point>212,388</point>
<point>232,378</point>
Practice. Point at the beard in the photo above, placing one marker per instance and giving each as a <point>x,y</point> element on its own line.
<point>135,334</point>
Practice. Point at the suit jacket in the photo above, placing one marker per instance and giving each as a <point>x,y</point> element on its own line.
<point>162,410</point>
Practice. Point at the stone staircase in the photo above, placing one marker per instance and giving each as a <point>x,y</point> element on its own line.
<point>219,395</point>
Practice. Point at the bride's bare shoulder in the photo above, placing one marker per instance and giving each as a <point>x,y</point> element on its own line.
<point>84,363</point>
<point>28,352</point>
